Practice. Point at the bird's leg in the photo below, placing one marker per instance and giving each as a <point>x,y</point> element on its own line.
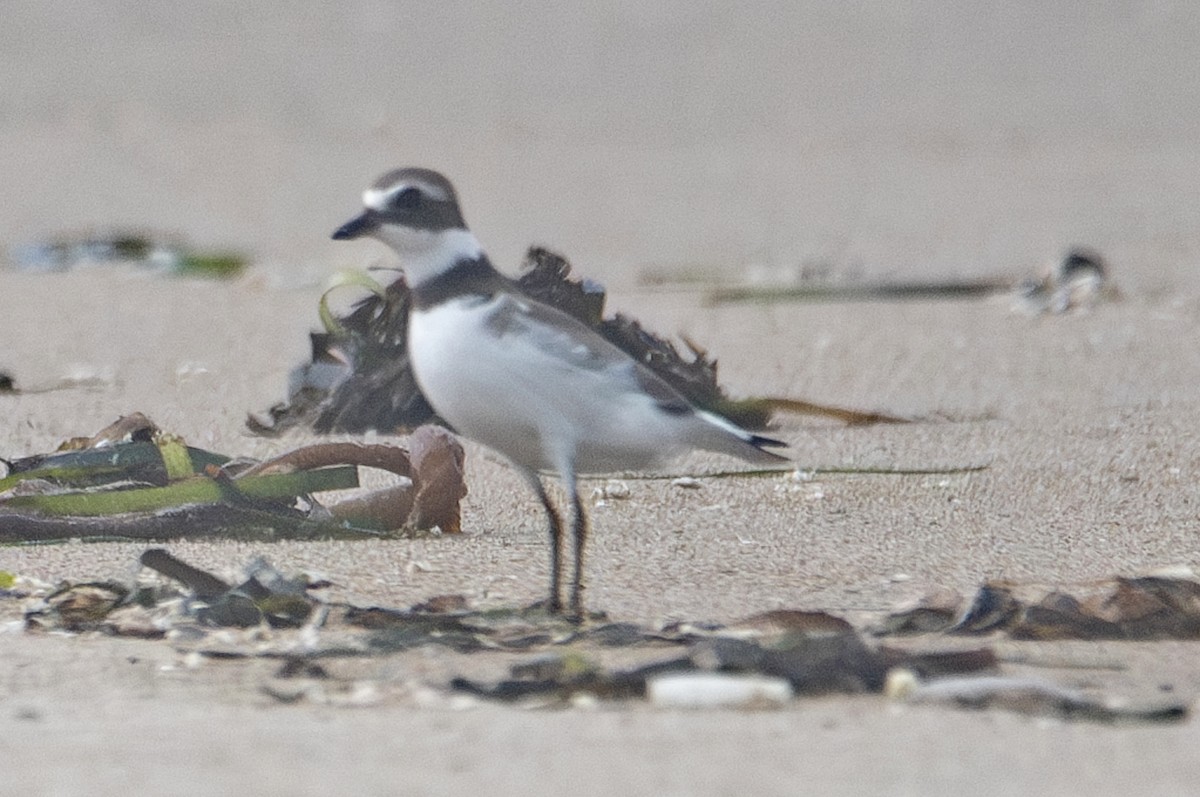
<point>554,604</point>
<point>581,531</point>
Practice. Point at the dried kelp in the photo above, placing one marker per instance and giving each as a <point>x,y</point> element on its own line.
<point>1147,607</point>
<point>359,378</point>
<point>133,481</point>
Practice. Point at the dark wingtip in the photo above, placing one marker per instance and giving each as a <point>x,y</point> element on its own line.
<point>759,441</point>
<point>763,443</point>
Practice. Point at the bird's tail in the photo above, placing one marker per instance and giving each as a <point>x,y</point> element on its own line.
<point>726,437</point>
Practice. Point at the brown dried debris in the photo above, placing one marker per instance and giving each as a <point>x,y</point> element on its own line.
<point>794,652</point>
<point>1146,607</point>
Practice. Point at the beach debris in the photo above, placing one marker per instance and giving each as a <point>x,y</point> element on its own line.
<point>170,254</point>
<point>812,664</point>
<point>812,653</point>
<point>465,630</point>
<point>75,376</point>
<point>134,481</point>
<point>765,660</point>
<point>806,290</point>
<point>442,604</point>
<point>811,280</point>
<point>1144,607</point>
<point>438,479</point>
<point>937,610</point>
<point>611,490</point>
<point>717,690</point>
<point>302,680</point>
<point>77,607</point>
<point>1024,695</point>
<point>358,377</point>
<point>1075,283</point>
<point>266,595</point>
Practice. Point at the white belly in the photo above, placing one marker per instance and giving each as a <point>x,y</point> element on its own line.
<point>536,409</point>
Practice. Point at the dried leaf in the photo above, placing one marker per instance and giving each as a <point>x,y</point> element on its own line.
<point>130,428</point>
<point>781,622</point>
<point>77,607</point>
<point>935,611</point>
<point>442,604</point>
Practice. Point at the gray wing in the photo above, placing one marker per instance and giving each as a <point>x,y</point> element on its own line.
<point>567,340</point>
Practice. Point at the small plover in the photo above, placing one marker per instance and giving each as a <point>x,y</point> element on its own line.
<point>1076,283</point>
<point>523,378</point>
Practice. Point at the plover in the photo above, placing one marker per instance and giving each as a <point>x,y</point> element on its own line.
<point>523,378</point>
<point>1076,283</point>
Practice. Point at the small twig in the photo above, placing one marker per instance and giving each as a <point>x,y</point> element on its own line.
<point>880,291</point>
<point>203,583</point>
<point>948,470</point>
<point>1059,662</point>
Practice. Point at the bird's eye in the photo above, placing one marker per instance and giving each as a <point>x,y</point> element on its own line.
<point>408,199</point>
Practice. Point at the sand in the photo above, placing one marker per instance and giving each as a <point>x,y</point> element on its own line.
<point>909,146</point>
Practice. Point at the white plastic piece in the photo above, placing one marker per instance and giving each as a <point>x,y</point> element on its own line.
<point>717,690</point>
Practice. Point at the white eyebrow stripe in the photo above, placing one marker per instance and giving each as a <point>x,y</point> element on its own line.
<point>378,198</point>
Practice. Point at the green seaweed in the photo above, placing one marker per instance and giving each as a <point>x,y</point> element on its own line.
<point>220,265</point>
<point>197,489</point>
<point>134,461</point>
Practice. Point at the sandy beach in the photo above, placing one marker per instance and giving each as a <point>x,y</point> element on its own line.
<point>928,144</point>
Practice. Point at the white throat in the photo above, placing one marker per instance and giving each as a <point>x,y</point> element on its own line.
<point>425,254</point>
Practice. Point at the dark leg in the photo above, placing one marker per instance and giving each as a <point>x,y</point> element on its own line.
<point>554,603</point>
<point>581,532</point>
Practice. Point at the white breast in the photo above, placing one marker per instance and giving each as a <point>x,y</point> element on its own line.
<point>472,380</point>
<point>520,397</point>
